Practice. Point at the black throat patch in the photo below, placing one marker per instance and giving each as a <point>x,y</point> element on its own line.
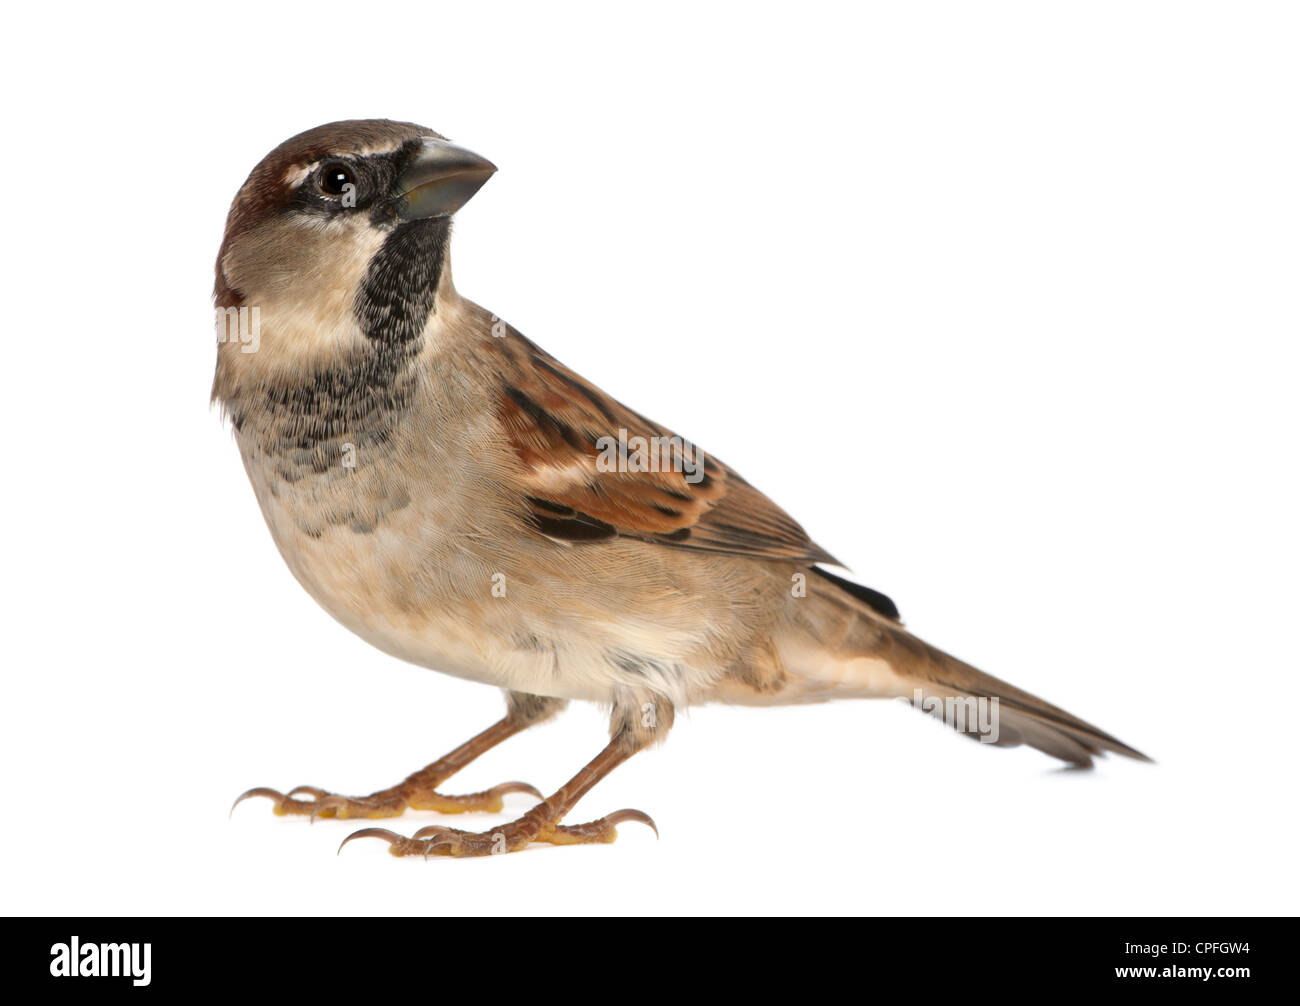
<point>397,297</point>
<point>307,423</point>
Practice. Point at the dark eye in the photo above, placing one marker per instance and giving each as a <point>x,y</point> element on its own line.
<point>334,178</point>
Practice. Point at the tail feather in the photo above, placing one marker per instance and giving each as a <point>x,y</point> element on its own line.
<point>1022,718</point>
<point>861,651</point>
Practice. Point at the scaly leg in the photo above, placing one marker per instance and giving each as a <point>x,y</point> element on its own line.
<point>418,791</point>
<point>542,823</point>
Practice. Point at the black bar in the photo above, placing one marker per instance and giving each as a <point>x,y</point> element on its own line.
<point>964,955</point>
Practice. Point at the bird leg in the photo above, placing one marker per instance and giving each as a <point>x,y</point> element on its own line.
<point>418,791</point>
<point>541,824</point>
<point>632,727</point>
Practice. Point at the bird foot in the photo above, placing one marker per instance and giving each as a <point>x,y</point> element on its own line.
<point>438,841</point>
<point>386,803</point>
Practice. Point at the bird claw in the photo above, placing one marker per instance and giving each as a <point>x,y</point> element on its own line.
<point>391,837</point>
<point>515,787</point>
<point>271,794</point>
<point>437,840</point>
<point>604,829</point>
<point>386,803</point>
<point>430,830</point>
<point>628,814</point>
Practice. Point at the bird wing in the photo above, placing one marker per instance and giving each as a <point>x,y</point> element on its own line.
<point>593,469</point>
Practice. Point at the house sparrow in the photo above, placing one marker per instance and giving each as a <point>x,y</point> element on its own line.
<point>460,499</point>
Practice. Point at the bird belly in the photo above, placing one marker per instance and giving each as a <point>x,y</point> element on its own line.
<point>459,604</point>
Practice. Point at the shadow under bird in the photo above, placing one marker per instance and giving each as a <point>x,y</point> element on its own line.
<point>462,500</point>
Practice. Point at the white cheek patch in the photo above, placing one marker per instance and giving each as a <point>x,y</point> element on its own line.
<point>303,274</point>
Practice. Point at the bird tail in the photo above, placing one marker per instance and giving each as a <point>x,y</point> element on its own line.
<point>990,710</point>
<point>863,650</point>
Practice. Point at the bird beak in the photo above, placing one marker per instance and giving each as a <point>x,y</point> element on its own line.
<point>440,180</point>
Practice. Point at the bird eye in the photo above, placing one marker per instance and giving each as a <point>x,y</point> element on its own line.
<point>334,179</point>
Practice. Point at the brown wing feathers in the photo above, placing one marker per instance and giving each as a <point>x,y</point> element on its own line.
<point>564,430</point>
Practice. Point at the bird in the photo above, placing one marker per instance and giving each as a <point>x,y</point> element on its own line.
<point>461,500</point>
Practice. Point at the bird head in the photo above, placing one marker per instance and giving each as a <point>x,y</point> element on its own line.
<point>338,241</point>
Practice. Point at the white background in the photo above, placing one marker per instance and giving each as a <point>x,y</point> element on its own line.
<point>999,300</point>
